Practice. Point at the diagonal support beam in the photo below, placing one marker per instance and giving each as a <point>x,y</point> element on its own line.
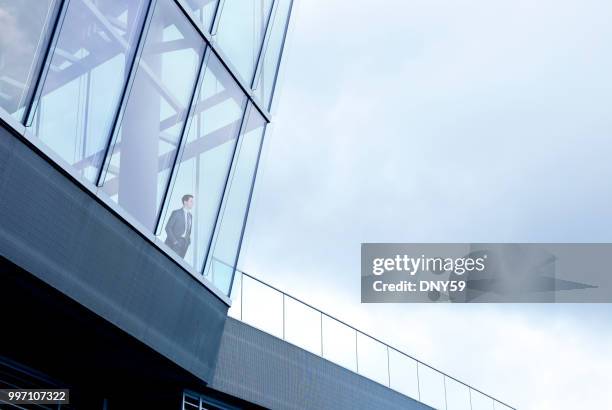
<point>193,149</point>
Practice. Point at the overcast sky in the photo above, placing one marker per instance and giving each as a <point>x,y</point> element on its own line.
<point>445,120</point>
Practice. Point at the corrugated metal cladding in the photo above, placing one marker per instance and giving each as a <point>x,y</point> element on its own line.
<point>52,228</point>
<point>268,371</point>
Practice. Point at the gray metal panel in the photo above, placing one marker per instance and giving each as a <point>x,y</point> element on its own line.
<point>61,234</point>
<point>263,369</point>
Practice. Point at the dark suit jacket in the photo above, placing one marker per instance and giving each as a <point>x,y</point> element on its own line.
<point>175,228</point>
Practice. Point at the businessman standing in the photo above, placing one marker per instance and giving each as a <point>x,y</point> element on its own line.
<point>178,228</point>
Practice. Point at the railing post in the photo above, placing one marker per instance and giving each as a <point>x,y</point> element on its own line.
<point>283,316</point>
<point>445,395</point>
<point>470,391</point>
<point>388,368</point>
<point>356,352</point>
<point>418,381</point>
<point>241,294</point>
<point>321,333</point>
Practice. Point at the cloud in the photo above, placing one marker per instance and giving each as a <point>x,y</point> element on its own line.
<point>414,121</point>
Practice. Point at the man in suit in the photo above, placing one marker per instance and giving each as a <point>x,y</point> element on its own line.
<point>178,228</point>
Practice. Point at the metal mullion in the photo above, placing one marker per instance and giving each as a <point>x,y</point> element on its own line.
<point>86,117</point>
<point>214,25</point>
<point>264,44</point>
<point>246,89</point>
<point>213,238</point>
<point>207,30</point>
<point>196,191</point>
<point>248,206</point>
<point>238,79</point>
<point>43,69</point>
<point>165,200</point>
<point>186,10</point>
<point>280,56</point>
<point>123,101</point>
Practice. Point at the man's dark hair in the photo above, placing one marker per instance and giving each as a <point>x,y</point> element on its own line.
<point>187,198</point>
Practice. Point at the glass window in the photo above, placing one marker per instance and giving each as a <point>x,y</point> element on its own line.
<point>25,29</point>
<point>85,81</point>
<point>403,374</point>
<point>457,395</point>
<point>303,325</point>
<point>204,164</point>
<point>232,219</point>
<point>273,52</point>
<point>262,306</point>
<point>241,30</point>
<point>480,401</point>
<point>339,343</point>
<point>372,359</point>
<point>204,11</point>
<point>152,125</point>
<point>431,387</point>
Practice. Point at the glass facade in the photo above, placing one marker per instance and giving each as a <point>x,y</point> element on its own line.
<point>88,69</point>
<point>227,239</point>
<point>272,53</point>
<point>25,31</point>
<point>155,115</point>
<point>203,11</point>
<point>133,98</point>
<point>205,159</point>
<point>242,26</point>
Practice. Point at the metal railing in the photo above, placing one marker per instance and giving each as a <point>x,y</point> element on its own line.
<point>273,311</point>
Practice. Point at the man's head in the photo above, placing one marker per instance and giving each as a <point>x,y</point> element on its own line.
<point>188,201</point>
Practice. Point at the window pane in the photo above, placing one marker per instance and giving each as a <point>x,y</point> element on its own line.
<point>372,359</point>
<point>204,11</point>
<point>403,373</point>
<point>431,386</point>
<point>190,402</point>
<point>236,201</point>
<point>24,25</point>
<point>302,325</point>
<point>339,343</point>
<point>262,307</point>
<point>146,148</point>
<point>480,401</point>
<point>457,395</point>
<point>241,31</point>
<point>205,163</point>
<point>84,84</point>
<point>272,54</point>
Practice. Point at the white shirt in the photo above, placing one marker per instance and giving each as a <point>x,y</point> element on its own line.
<point>187,214</point>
